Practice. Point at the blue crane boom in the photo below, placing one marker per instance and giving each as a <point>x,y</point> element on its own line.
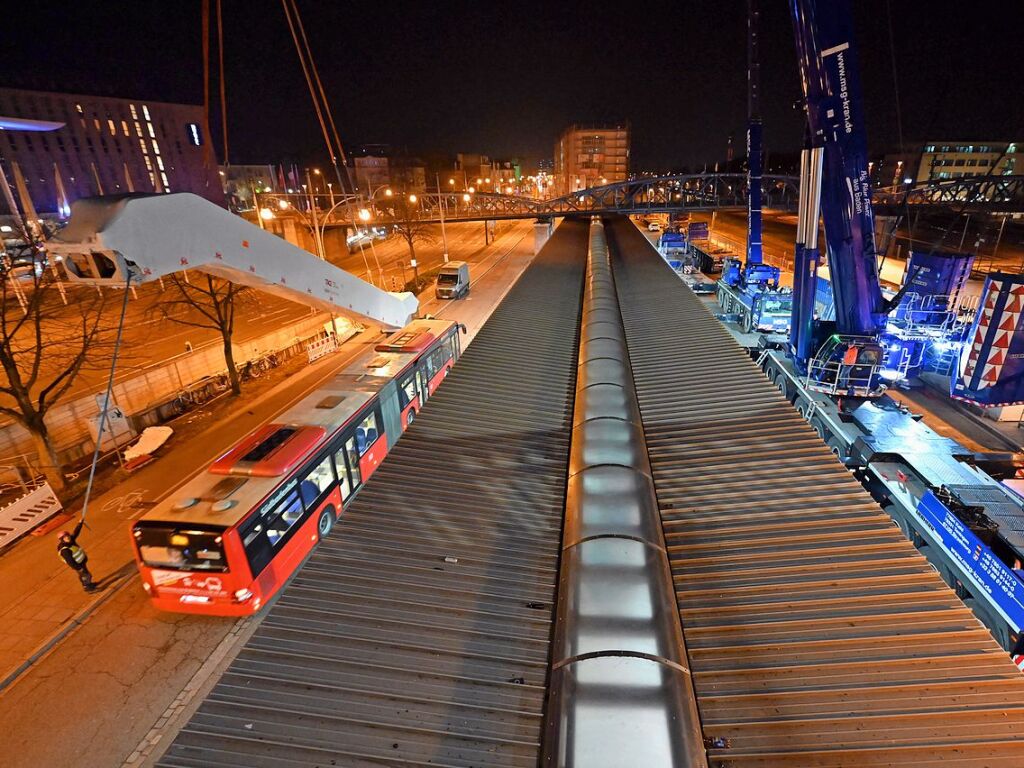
<point>754,145</point>
<point>831,87</point>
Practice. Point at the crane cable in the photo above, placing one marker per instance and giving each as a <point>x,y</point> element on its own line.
<point>223,93</point>
<point>309,83</point>
<point>323,97</point>
<point>106,399</point>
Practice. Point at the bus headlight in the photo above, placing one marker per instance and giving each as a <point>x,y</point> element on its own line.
<point>242,595</point>
<point>147,587</point>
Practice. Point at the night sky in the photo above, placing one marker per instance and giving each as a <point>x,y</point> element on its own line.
<point>505,78</point>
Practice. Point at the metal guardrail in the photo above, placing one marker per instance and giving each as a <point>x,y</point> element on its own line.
<point>618,643</point>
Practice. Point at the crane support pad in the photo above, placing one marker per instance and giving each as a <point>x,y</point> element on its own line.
<point>418,632</point>
<point>817,634</point>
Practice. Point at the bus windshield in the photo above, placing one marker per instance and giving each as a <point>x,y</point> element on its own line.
<point>165,546</point>
<point>446,278</point>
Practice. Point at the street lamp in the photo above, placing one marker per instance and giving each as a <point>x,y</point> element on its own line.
<point>266,214</point>
<point>364,214</point>
<point>412,199</point>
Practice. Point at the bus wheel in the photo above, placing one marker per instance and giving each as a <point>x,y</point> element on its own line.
<point>837,448</point>
<point>747,322</point>
<point>326,521</point>
<point>410,418</point>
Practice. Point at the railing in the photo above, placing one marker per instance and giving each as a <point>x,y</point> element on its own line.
<point>835,377</point>
<point>992,193</point>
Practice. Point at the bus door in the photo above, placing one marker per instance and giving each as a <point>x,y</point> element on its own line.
<point>422,378</point>
<point>408,399</point>
<point>370,445</point>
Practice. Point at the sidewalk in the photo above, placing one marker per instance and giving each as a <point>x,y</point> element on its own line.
<point>40,596</point>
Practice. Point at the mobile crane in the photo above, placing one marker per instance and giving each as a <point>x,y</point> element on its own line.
<point>948,500</point>
<point>752,290</point>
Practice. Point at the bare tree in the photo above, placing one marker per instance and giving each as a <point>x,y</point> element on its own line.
<point>403,219</point>
<point>44,347</point>
<point>208,302</point>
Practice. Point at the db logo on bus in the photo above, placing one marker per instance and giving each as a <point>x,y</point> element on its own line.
<point>209,584</point>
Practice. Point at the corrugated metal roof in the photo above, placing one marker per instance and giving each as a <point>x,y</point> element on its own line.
<point>817,634</point>
<point>418,632</point>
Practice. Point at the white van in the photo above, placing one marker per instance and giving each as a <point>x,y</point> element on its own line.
<point>452,280</point>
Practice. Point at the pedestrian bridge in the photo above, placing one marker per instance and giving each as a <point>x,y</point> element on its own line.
<point>682,193</point>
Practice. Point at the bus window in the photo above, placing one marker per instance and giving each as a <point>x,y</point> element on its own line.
<point>178,549</point>
<point>406,392</point>
<point>366,433</point>
<point>284,518</point>
<point>317,482</point>
<point>342,470</point>
<point>353,461</point>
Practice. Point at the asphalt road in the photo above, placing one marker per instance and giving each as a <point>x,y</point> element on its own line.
<point>110,685</point>
<point>779,235</point>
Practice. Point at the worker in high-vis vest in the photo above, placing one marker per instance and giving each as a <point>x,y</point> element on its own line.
<point>72,554</point>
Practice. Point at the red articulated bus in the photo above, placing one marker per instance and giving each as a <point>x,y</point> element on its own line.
<point>235,534</point>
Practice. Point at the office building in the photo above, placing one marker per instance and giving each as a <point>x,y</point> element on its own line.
<point>590,155</point>
<point>69,146</point>
<point>953,159</point>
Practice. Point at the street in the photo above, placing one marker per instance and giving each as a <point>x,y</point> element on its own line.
<point>108,665</point>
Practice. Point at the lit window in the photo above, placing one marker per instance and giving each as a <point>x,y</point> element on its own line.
<point>149,163</point>
<point>96,122</point>
<point>135,115</point>
<point>138,130</point>
<point>145,149</point>
<point>167,186</point>
<point>78,109</point>
<point>195,136</point>
<point>152,133</point>
<point>160,163</point>
<point>124,127</point>
<point>156,147</point>
<point>145,112</point>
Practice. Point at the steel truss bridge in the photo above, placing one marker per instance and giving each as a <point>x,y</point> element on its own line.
<point>661,194</point>
<point>991,194</point>
<point>658,194</point>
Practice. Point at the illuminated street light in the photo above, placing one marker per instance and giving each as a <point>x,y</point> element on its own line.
<point>388,192</point>
<point>472,190</point>
<point>364,214</point>
<point>480,181</point>
<point>266,214</point>
<point>508,190</point>
<point>282,204</point>
<point>451,182</point>
<point>412,198</point>
<point>465,197</point>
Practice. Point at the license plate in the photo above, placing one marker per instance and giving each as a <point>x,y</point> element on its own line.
<point>194,599</point>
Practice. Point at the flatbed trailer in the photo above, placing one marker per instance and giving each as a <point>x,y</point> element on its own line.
<point>922,480</point>
<point>757,309</point>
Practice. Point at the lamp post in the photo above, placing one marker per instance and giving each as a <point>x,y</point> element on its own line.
<point>440,210</point>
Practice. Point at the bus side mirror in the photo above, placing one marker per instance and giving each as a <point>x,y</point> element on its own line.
<point>463,328</point>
